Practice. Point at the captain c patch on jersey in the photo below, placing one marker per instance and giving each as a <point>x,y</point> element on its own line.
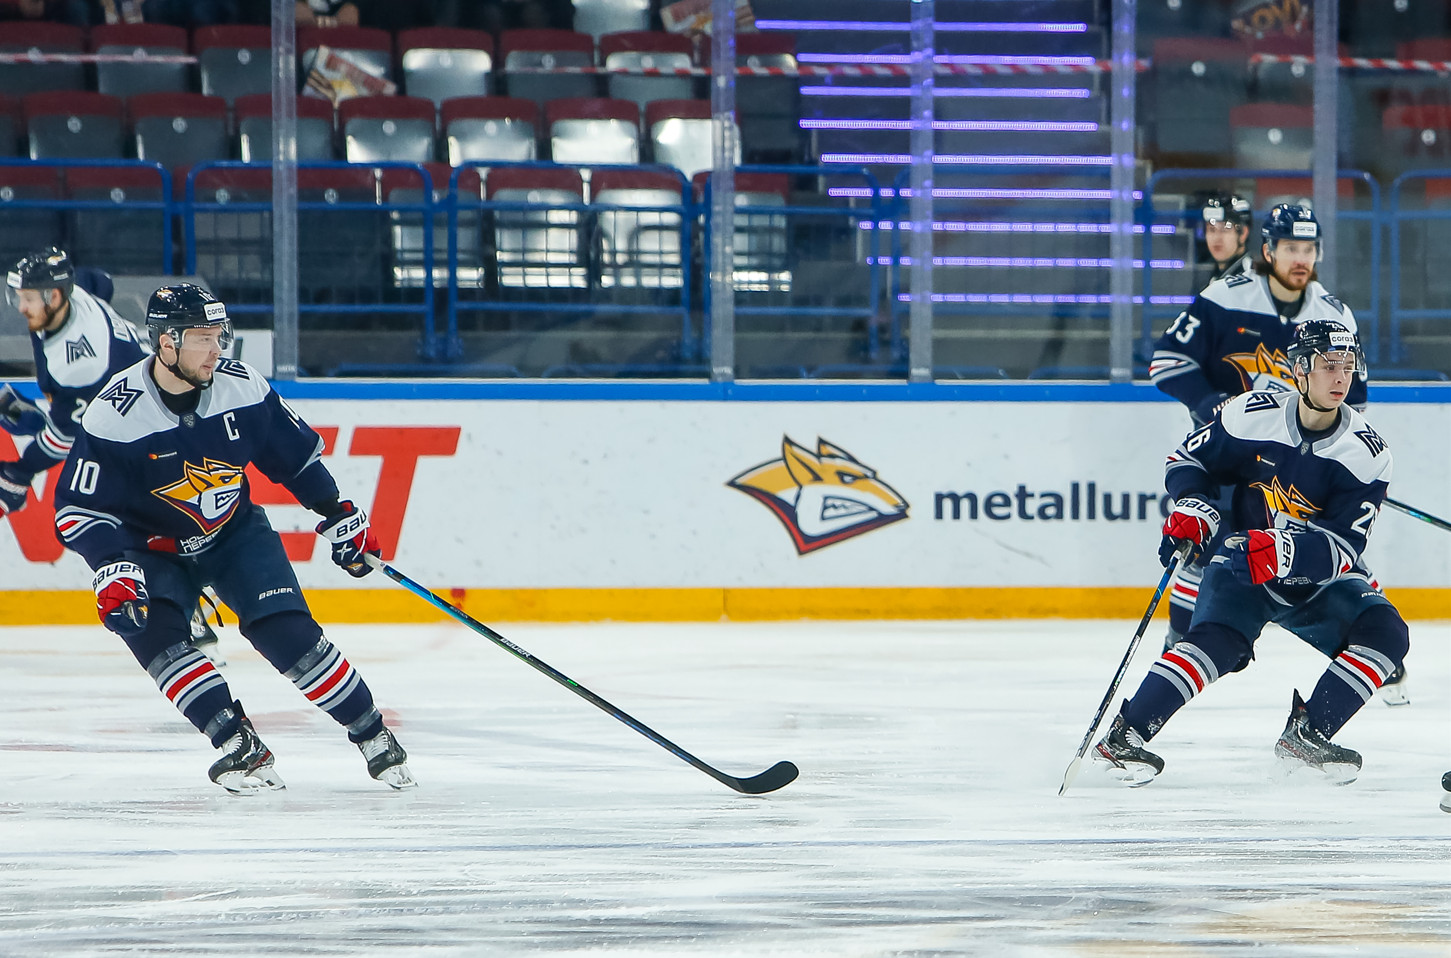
<point>209,493</point>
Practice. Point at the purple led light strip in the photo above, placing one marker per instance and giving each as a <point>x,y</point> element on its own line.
<point>901,26</point>
<point>984,193</point>
<point>1014,126</point>
<point>1020,93</point>
<point>974,226</point>
<point>1043,298</point>
<point>965,58</point>
<point>970,159</point>
<point>1025,262</point>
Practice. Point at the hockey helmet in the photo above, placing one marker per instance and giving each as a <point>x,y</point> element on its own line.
<point>1221,207</point>
<point>183,306</point>
<point>46,270</point>
<point>1316,337</point>
<point>1290,221</point>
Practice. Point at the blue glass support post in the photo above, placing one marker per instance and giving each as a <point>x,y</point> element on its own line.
<point>919,347</point>
<point>1323,158</point>
<point>722,341</point>
<point>1123,79</point>
<point>284,190</point>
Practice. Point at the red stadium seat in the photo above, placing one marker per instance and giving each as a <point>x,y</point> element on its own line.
<point>24,36</point>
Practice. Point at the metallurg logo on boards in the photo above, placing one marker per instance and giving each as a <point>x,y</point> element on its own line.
<point>823,497</point>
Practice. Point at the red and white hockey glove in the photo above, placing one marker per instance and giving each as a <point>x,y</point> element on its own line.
<point>121,599</point>
<point>1194,521</point>
<point>1261,555</point>
<point>352,538</point>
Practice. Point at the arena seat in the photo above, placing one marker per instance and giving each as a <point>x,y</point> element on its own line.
<point>116,235</point>
<point>126,79</point>
<point>647,50</point>
<point>11,123</point>
<point>440,63</point>
<point>406,239</point>
<point>529,55</point>
<point>483,128</point>
<point>1193,84</point>
<point>680,134</point>
<point>387,128</point>
<point>1272,136</point>
<point>73,124</point>
<point>254,128</point>
<point>759,238</point>
<point>768,108</point>
<point>537,242</point>
<point>179,129</point>
<point>640,243</point>
<point>599,17</point>
<point>1415,138</point>
<point>233,60</point>
<point>25,36</point>
<point>341,251</point>
<point>23,229</point>
<point>588,130</point>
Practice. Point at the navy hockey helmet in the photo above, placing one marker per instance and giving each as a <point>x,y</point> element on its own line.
<point>1222,207</point>
<point>1290,221</point>
<point>1316,337</point>
<point>183,306</point>
<point>46,270</point>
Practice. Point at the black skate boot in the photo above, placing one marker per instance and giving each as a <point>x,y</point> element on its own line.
<point>387,762</point>
<point>1446,792</point>
<point>1394,692</point>
<point>246,764</point>
<point>1301,745</point>
<point>1122,751</point>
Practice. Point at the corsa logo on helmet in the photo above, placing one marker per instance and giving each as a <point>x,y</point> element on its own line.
<point>823,497</point>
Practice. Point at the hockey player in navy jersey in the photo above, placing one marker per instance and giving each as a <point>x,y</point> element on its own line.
<point>1308,476</point>
<point>1226,222</point>
<point>154,498</point>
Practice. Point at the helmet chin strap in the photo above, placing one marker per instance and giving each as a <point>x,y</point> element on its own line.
<point>1305,394</point>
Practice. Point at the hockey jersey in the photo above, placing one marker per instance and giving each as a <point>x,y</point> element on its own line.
<point>142,477</point>
<point>72,363</point>
<point>1233,340</point>
<point>1325,489</point>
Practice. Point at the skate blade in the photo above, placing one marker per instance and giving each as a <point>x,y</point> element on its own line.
<point>1331,773</point>
<point>262,779</point>
<point>398,777</point>
<point>1394,696</point>
<point>1130,774</point>
<point>1446,801</point>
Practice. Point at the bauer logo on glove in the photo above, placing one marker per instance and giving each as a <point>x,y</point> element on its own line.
<point>1261,555</point>
<point>1194,521</point>
<point>352,538</point>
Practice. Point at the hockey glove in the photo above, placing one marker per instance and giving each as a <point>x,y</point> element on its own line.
<point>121,599</point>
<point>1194,521</point>
<point>1207,409</point>
<point>18,416</point>
<point>14,487</point>
<point>352,538</point>
<point>1261,555</point>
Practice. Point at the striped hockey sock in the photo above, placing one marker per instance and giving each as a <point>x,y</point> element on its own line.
<point>192,683</point>
<point>1347,684</point>
<point>332,684</point>
<point>1180,674</point>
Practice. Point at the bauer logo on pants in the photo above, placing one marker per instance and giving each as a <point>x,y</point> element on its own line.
<point>823,497</point>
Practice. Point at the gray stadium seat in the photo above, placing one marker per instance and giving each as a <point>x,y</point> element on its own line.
<point>73,124</point>
<point>589,130</point>
<point>22,36</point>
<point>599,17</point>
<point>537,244</point>
<point>179,129</point>
<point>133,39</point>
<point>254,128</point>
<point>639,245</point>
<point>680,135</point>
<point>528,55</point>
<point>441,63</point>
<point>387,128</point>
<point>234,60</point>
<point>647,50</point>
<point>1272,136</point>
<point>370,48</point>
<point>490,128</point>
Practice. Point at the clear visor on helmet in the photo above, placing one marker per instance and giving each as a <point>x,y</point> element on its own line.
<point>12,291</point>
<point>1350,360</point>
<point>201,337</point>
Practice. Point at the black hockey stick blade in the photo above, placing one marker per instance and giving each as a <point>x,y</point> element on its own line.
<point>1415,513</point>
<point>1072,772</point>
<point>777,776</point>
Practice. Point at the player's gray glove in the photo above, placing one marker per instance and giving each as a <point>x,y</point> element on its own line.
<point>19,416</point>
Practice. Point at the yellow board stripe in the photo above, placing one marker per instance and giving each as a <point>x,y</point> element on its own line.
<point>700,605</point>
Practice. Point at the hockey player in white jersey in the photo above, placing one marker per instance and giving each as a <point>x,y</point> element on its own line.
<point>154,496</point>
<point>1309,475</point>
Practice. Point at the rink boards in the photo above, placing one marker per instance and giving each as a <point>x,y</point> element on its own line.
<point>579,501</point>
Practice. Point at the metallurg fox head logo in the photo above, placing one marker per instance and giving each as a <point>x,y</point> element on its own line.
<point>1262,368</point>
<point>822,497</point>
<point>209,493</point>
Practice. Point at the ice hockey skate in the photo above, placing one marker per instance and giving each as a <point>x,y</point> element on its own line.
<point>1121,752</point>
<point>246,764</point>
<point>1394,692</point>
<point>1446,792</point>
<point>387,761</point>
<point>1303,746</point>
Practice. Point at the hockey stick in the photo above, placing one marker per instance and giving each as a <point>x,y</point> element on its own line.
<point>1072,772</point>
<point>1415,513</point>
<point>778,775</point>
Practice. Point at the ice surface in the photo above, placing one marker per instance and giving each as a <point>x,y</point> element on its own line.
<point>925,822</point>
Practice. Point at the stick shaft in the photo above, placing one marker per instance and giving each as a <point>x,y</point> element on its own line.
<point>1415,513</point>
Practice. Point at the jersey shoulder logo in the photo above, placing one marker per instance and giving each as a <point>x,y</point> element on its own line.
<point>1335,304</point>
<point>233,368</point>
<point>208,493</point>
<point>1257,402</point>
<point>79,349</point>
<point>1372,440</point>
<point>120,395</point>
<point>1238,279</point>
<point>1260,367</point>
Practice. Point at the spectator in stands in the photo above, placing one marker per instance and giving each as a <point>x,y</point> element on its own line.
<point>61,11</point>
<point>327,13</point>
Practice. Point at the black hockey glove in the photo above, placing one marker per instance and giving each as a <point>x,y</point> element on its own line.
<point>14,487</point>
<point>19,416</point>
<point>352,538</point>
<point>121,599</point>
<point>1194,521</point>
